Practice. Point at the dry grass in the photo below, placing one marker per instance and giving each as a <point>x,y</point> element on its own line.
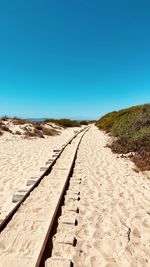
<point>32,134</point>
<point>31,129</point>
<point>39,131</point>
<point>39,127</point>
<point>65,123</point>
<point>50,132</point>
<point>19,121</point>
<point>18,133</point>
<point>142,160</point>
<point>5,128</point>
<point>1,123</point>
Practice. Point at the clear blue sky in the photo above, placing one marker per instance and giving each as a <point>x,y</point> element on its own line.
<point>77,59</point>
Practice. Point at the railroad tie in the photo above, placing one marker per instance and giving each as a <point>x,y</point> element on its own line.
<point>18,195</point>
<point>57,150</point>
<point>72,197</point>
<point>55,155</point>
<point>75,182</point>
<point>50,161</point>
<point>65,238</point>
<point>32,181</point>
<point>43,169</point>
<point>65,219</point>
<point>73,191</point>
<point>58,262</point>
<point>71,208</point>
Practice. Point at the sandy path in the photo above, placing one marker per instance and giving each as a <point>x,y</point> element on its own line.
<point>21,159</point>
<point>22,239</point>
<point>114,221</point>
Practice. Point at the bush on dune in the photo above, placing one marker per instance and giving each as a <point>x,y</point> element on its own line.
<point>50,132</point>
<point>20,121</point>
<point>84,122</point>
<point>65,123</point>
<point>5,128</point>
<point>40,131</point>
<point>132,128</point>
<point>1,123</point>
<point>31,128</point>
<point>35,133</point>
<point>107,121</point>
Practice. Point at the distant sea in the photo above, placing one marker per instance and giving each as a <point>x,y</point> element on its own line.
<point>37,119</point>
<point>43,119</point>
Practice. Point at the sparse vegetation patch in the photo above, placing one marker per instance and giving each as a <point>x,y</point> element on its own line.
<point>26,128</point>
<point>65,123</point>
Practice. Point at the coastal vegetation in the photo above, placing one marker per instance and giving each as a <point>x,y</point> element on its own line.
<point>26,128</point>
<point>65,123</point>
<point>131,131</point>
<point>31,129</point>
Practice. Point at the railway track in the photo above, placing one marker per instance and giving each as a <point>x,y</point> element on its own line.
<point>46,170</point>
<point>14,222</point>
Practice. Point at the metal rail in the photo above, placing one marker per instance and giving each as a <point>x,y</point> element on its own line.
<point>47,172</point>
<point>46,248</point>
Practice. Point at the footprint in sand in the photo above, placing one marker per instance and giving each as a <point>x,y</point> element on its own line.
<point>97,234</point>
<point>146,222</point>
<point>136,233</point>
<point>135,237</point>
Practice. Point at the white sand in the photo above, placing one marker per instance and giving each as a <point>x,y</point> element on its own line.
<point>22,239</point>
<point>21,159</point>
<point>114,221</point>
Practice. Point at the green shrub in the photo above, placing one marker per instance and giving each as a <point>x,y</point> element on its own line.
<point>20,121</point>
<point>49,132</point>
<point>107,121</point>
<point>143,135</point>
<point>65,123</point>
<point>125,122</point>
<point>84,122</point>
<point>132,128</point>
